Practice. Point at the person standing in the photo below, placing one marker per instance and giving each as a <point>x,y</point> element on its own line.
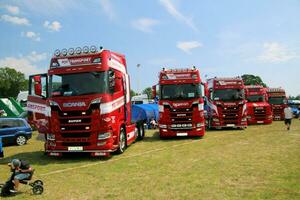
<point>288,115</point>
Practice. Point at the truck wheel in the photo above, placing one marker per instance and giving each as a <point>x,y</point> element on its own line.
<point>122,142</point>
<point>21,140</point>
<point>141,131</point>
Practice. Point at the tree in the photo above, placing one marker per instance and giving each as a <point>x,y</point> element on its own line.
<point>250,79</point>
<point>132,93</point>
<point>11,82</point>
<point>148,91</point>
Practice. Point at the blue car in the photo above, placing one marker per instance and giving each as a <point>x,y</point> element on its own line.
<point>14,131</point>
<point>1,149</point>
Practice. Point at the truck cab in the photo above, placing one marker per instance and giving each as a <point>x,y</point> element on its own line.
<point>181,111</point>
<point>82,104</point>
<point>226,103</point>
<point>259,109</point>
<point>278,101</point>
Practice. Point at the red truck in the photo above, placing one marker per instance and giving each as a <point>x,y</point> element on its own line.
<point>278,101</point>
<point>83,103</point>
<point>181,111</point>
<point>226,103</point>
<point>259,109</point>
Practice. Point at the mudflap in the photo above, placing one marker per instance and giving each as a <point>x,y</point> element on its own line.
<point>130,133</point>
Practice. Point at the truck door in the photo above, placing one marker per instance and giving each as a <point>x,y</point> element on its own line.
<point>38,111</point>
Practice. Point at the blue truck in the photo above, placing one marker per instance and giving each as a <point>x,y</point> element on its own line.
<point>145,113</point>
<point>1,149</point>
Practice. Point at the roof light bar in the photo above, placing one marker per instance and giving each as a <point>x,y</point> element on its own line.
<point>78,50</point>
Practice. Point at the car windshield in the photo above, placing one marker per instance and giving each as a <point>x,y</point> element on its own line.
<point>276,100</point>
<point>183,91</point>
<point>256,98</point>
<point>78,84</point>
<point>229,94</point>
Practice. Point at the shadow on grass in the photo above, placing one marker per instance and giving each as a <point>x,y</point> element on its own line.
<point>156,138</point>
<point>39,158</point>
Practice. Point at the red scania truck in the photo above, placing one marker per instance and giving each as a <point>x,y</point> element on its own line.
<point>226,103</point>
<point>181,111</point>
<point>278,101</point>
<point>259,109</point>
<point>83,103</point>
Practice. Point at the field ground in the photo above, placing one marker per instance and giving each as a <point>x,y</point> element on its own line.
<point>261,162</point>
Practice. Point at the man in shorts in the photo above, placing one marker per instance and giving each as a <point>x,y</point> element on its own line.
<point>22,171</point>
<point>288,116</point>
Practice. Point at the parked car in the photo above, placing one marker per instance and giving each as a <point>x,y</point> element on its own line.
<point>14,131</point>
<point>1,149</point>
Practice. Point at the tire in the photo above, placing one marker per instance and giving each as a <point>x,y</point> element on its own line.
<point>38,182</point>
<point>141,131</point>
<point>21,140</point>
<point>37,189</point>
<point>5,189</point>
<point>122,142</point>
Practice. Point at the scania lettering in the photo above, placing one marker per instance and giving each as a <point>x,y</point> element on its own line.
<point>83,103</point>
<point>226,103</point>
<point>180,103</point>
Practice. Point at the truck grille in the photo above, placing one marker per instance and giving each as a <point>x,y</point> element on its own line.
<point>260,113</point>
<point>277,111</point>
<point>230,114</point>
<point>75,124</point>
<point>75,144</point>
<point>181,118</point>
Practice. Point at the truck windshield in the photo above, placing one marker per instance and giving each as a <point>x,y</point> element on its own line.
<point>256,98</point>
<point>79,84</point>
<point>183,91</point>
<point>229,94</point>
<point>276,100</point>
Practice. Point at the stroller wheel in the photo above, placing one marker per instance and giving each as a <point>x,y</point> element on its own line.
<point>38,182</point>
<point>37,189</point>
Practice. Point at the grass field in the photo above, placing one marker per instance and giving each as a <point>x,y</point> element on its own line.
<point>261,162</point>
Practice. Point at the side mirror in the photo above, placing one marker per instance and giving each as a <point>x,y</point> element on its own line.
<point>37,85</point>
<point>154,91</point>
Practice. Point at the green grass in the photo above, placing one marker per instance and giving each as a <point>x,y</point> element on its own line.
<point>261,162</point>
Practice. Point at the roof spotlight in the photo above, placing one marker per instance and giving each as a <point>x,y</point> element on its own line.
<point>71,51</point>
<point>93,49</point>
<point>101,48</point>
<point>78,50</point>
<point>57,52</point>
<point>64,52</point>
<point>85,49</point>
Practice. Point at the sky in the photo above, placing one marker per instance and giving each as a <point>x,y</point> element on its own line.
<point>221,38</point>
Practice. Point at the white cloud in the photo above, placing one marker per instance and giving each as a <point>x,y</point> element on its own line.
<point>187,46</point>
<point>145,24</point>
<point>172,10</point>
<point>53,26</point>
<point>108,8</point>
<point>274,52</point>
<point>32,35</point>
<point>25,64</point>
<point>14,10</point>
<point>15,20</point>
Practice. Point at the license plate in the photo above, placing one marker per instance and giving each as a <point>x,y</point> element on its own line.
<point>260,122</point>
<point>181,134</point>
<point>230,125</point>
<point>75,148</point>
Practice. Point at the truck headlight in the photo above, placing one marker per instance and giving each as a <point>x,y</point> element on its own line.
<point>162,126</point>
<point>215,120</point>
<point>103,136</point>
<point>160,108</point>
<point>199,125</point>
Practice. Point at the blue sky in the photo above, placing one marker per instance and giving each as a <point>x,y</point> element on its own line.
<point>222,38</point>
